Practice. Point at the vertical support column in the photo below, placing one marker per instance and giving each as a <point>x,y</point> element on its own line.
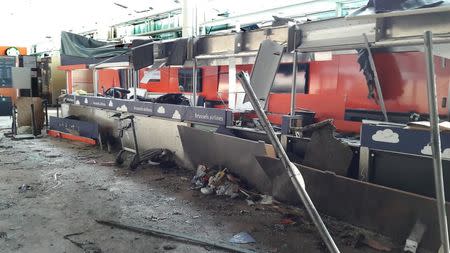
<point>232,85</point>
<point>135,83</point>
<point>339,9</point>
<point>436,141</point>
<point>68,83</point>
<point>187,12</point>
<point>294,82</point>
<point>194,82</point>
<point>95,82</point>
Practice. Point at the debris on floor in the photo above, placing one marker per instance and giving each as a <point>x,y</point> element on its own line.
<point>177,236</point>
<point>169,247</point>
<point>86,246</point>
<point>361,240</point>
<point>24,188</point>
<point>220,182</point>
<point>242,238</point>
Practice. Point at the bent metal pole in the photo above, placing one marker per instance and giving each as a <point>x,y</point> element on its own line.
<point>436,140</point>
<point>292,170</point>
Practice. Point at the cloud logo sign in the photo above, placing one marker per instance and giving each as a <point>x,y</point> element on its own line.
<point>176,115</point>
<point>122,108</point>
<point>110,103</point>
<point>446,153</point>
<point>386,135</point>
<point>161,110</point>
<point>426,150</point>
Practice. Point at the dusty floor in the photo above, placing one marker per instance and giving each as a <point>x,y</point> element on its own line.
<point>68,194</point>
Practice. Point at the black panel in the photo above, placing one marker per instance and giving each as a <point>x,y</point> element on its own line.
<point>397,117</point>
<point>409,173</point>
<point>5,106</point>
<point>142,56</point>
<point>6,62</point>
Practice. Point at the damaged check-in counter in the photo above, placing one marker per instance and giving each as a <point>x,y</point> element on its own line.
<point>382,181</point>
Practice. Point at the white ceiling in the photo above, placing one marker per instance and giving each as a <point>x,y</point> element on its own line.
<point>25,22</point>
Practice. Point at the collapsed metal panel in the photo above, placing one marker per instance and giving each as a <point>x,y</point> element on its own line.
<point>236,154</point>
<point>390,212</point>
<point>265,70</point>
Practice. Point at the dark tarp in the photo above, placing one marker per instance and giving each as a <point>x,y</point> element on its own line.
<point>364,64</point>
<point>80,46</point>
<point>141,56</point>
<point>399,5</point>
<point>178,52</point>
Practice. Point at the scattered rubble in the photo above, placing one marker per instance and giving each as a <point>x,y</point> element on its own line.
<point>219,182</point>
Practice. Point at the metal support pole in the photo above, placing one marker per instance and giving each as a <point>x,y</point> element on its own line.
<point>194,83</point>
<point>136,147</point>
<point>14,120</point>
<point>46,112</point>
<point>375,75</point>
<point>33,120</point>
<point>294,80</point>
<point>292,170</point>
<point>436,141</point>
<point>135,83</point>
<point>57,107</point>
<point>95,82</point>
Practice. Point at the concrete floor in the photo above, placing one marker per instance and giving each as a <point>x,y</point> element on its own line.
<point>68,193</point>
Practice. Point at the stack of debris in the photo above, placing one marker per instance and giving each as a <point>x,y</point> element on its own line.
<point>220,182</point>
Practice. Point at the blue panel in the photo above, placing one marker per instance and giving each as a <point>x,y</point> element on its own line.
<point>397,139</point>
<point>176,112</point>
<point>71,126</point>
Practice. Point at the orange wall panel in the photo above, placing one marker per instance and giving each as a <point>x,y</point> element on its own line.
<point>108,78</point>
<point>9,92</point>
<point>22,50</point>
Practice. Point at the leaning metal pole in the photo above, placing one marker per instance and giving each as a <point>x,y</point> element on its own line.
<point>292,170</point>
<point>436,141</point>
<point>294,75</point>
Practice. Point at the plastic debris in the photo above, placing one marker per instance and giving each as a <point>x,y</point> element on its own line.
<point>266,200</point>
<point>242,238</point>
<point>228,189</point>
<point>207,190</point>
<point>200,179</point>
<point>250,202</point>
